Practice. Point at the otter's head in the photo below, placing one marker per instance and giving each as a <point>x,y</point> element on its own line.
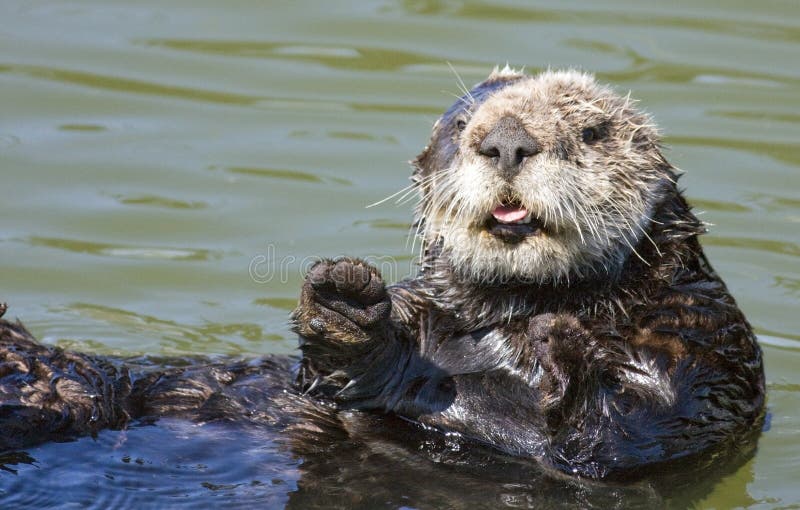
<point>539,178</point>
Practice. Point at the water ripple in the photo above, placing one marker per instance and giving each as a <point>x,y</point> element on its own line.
<point>787,117</point>
<point>182,338</point>
<point>718,205</point>
<point>287,304</point>
<point>117,84</point>
<point>160,202</point>
<point>177,464</point>
<point>132,86</point>
<point>486,11</point>
<point>768,245</point>
<point>125,251</point>
<point>360,58</point>
<point>786,152</point>
<point>286,174</point>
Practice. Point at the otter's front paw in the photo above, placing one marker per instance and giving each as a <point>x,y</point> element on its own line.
<point>562,348</point>
<point>343,300</point>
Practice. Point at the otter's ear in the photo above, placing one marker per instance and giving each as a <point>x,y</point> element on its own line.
<point>423,164</point>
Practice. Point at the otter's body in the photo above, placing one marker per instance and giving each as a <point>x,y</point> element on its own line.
<point>564,311</point>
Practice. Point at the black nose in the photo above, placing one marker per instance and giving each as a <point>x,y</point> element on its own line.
<point>508,143</point>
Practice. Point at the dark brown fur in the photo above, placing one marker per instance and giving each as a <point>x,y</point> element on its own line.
<point>567,379</point>
<point>49,394</point>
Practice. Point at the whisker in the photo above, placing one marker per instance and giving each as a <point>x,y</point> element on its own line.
<point>461,82</point>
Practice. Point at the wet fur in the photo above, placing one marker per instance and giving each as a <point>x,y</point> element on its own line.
<point>47,393</point>
<point>607,347</point>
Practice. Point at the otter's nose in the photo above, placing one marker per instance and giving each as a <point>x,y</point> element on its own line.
<point>508,143</point>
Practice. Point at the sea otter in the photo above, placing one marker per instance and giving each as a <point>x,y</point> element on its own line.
<point>563,311</point>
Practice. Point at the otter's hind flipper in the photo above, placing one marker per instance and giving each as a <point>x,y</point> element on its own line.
<point>47,393</point>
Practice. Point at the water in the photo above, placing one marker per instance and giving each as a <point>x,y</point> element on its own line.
<point>168,168</point>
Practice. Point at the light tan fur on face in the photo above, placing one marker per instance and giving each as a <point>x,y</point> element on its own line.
<point>593,198</point>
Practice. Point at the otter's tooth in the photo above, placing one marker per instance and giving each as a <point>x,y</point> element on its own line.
<point>526,219</point>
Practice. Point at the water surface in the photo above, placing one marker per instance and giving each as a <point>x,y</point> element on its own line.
<point>169,167</point>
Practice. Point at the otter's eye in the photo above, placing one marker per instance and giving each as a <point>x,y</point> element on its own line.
<point>591,134</point>
<point>461,124</point>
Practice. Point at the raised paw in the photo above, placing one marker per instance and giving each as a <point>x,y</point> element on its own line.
<point>343,300</point>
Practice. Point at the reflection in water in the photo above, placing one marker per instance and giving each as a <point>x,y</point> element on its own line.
<point>321,460</point>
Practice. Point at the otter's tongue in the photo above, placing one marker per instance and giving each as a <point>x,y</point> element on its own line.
<point>509,214</point>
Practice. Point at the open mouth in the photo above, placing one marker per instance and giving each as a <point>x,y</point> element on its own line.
<point>512,223</point>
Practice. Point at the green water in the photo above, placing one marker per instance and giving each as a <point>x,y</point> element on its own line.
<point>168,168</point>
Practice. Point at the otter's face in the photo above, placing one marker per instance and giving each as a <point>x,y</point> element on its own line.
<point>539,179</point>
